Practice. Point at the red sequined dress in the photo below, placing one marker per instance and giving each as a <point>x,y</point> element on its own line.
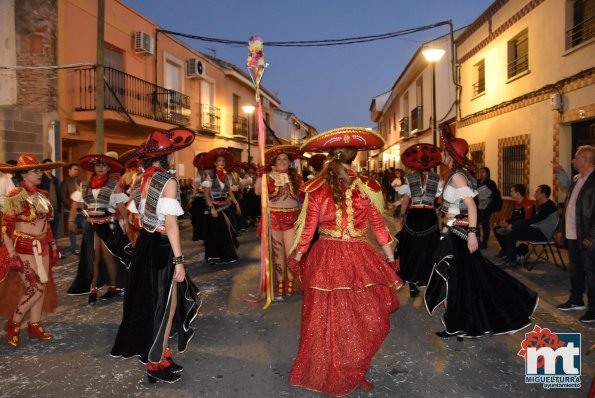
<point>349,289</point>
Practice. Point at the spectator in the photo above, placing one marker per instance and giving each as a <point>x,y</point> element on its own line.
<point>489,201</point>
<point>51,184</point>
<point>523,209</point>
<point>578,227</point>
<point>13,177</point>
<point>539,227</point>
<point>70,185</point>
<point>397,182</point>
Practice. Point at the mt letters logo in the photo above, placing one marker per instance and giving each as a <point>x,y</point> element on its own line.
<point>552,359</point>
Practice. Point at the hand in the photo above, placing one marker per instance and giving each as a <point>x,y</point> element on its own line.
<point>214,213</point>
<point>179,273</point>
<point>54,255</point>
<point>587,244</point>
<point>472,244</point>
<point>294,264</point>
<point>556,166</point>
<point>399,283</point>
<point>260,171</point>
<point>559,238</point>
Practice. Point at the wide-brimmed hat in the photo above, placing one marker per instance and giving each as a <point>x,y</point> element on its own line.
<point>293,152</point>
<point>356,137</point>
<point>129,158</point>
<point>316,161</point>
<point>163,143</point>
<point>198,160</point>
<point>28,161</point>
<point>422,157</point>
<point>457,148</point>
<point>209,159</point>
<point>110,158</point>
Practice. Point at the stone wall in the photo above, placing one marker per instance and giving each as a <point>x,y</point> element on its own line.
<point>21,132</point>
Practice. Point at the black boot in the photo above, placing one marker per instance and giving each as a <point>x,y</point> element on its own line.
<point>445,335</point>
<point>413,290</point>
<point>175,368</point>
<point>162,372</point>
<point>93,296</point>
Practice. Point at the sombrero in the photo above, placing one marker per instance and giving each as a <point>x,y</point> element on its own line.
<point>197,161</point>
<point>293,152</point>
<point>457,148</point>
<point>28,161</point>
<point>163,143</point>
<point>129,158</point>
<point>316,161</point>
<point>422,157</point>
<point>357,137</point>
<point>209,159</point>
<point>110,158</point>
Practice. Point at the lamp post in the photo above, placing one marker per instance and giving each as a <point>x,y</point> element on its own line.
<point>249,109</point>
<point>433,55</point>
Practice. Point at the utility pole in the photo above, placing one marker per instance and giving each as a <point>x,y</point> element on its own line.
<point>100,79</point>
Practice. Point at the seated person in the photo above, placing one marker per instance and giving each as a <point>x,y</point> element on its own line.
<point>540,227</point>
<point>523,209</point>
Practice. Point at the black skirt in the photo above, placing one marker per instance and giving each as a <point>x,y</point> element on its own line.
<point>147,302</point>
<point>197,212</point>
<point>481,298</point>
<point>418,239</point>
<point>118,245</point>
<point>221,237</point>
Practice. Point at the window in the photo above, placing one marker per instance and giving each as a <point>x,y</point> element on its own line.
<point>513,166</point>
<point>518,54</point>
<point>581,24</point>
<point>479,86</point>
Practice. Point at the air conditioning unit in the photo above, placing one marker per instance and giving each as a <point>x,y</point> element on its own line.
<point>143,43</point>
<point>194,68</point>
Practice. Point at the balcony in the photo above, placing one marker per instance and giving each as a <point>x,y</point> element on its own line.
<point>210,118</point>
<point>518,65</point>
<point>404,127</point>
<point>580,33</point>
<point>240,127</point>
<point>479,87</point>
<point>417,118</point>
<point>127,93</point>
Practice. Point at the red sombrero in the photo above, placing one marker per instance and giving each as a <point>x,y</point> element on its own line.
<point>457,148</point>
<point>197,161</point>
<point>293,152</point>
<point>422,157</point>
<point>110,158</point>
<point>357,137</point>
<point>213,154</point>
<point>316,161</point>
<point>28,162</point>
<point>163,143</point>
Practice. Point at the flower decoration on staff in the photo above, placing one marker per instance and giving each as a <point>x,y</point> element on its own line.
<point>255,61</point>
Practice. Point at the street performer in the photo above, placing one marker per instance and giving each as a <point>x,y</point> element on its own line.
<point>29,250</point>
<point>283,185</point>
<point>105,248</point>
<point>160,301</point>
<point>349,289</point>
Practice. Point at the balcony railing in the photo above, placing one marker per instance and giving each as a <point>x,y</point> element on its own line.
<point>518,65</point>
<point>417,118</point>
<point>240,126</point>
<point>210,118</point>
<point>479,87</point>
<point>580,33</point>
<point>404,127</point>
<point>124,92</point>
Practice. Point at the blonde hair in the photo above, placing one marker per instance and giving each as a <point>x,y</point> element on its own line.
<point>589,149</point>
<point>335,174</point>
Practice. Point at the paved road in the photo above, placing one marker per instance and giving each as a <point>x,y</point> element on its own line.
<point>242,351</point>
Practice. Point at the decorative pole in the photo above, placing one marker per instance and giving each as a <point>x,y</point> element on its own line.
<point>256,66</point>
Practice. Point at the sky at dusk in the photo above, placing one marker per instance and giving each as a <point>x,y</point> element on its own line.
<point>327,87</point>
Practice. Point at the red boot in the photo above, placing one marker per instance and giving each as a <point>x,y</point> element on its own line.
<point>12,332</point>
<point>35,331</point>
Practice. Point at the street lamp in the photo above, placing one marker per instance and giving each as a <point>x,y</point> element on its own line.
<point>249,109</point>
<point>433,55</point>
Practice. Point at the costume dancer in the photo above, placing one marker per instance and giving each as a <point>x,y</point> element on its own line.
<point>419,233</point>
<point>29,250</point>
<point>349,289</point>
<point>283,185</point>
<point>479,297</point>
<point>161,301</point>
<point>220,235</point>
<point>105,249</point>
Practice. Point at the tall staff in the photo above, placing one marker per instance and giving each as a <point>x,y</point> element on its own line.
<point>256,66</point>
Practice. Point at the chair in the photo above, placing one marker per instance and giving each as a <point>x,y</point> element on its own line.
<point>539,248</point>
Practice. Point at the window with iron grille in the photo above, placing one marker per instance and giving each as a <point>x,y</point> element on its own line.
<point>513,167</point>
<point>581,22</point>
<point>518,54</point>
<point>479,86</point>
<point>477,159</point>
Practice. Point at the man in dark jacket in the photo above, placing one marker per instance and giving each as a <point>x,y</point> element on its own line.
<point>578,227</point>
<point>533,228</point>
<point>50,183</point>
<point>69,185</point>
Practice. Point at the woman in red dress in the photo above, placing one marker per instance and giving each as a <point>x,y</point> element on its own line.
<point>30,248</point>
<point>283,185</point>
<point>349,289</point>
